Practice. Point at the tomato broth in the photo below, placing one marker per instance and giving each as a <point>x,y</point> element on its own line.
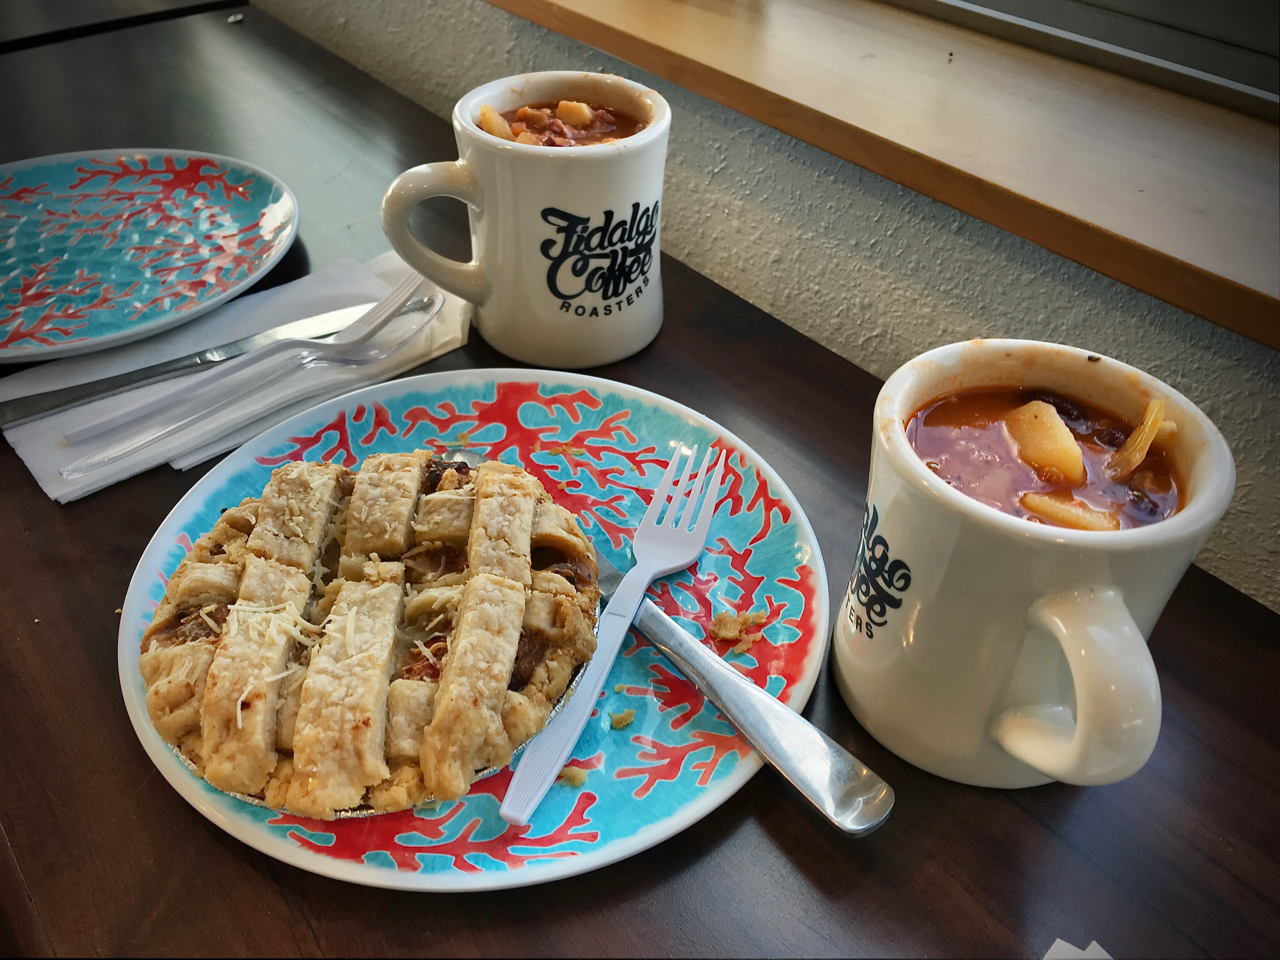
<point>965,439</point>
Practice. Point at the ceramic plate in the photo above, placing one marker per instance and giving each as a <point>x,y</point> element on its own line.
<point>97,249</point>
<point>599,448</point>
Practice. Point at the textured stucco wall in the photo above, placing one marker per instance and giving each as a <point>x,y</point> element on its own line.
<point>872,270</point>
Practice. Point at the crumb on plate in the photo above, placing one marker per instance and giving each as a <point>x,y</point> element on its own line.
<point>573,776</point>
<point>623,719</point>
<point>728,626</point>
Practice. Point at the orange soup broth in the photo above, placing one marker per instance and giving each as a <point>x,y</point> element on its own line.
<point>963,439</point>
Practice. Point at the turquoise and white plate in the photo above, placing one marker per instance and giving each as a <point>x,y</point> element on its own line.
<point>599,448</point>
<point>97,249</point>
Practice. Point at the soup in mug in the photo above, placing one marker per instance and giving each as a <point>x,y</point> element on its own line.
<point>1049,458</point>
<point>563,123</point>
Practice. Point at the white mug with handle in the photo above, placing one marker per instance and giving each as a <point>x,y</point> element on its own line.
<point>999,652</point>
<point>565,269</point>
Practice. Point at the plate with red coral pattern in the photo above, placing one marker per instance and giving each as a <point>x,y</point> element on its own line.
<point>97,249</point>
<point>599,448</point>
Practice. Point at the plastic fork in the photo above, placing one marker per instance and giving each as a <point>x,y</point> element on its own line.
<point>670,536</point>
<point>248,375</point>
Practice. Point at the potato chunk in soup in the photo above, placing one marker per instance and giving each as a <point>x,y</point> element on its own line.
<point>1045,442</point>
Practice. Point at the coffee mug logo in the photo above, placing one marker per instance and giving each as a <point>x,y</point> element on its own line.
<point>610,259</point>
<point>877,578</point>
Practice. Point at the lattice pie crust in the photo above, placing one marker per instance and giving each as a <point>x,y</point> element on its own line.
<point>371,638</point>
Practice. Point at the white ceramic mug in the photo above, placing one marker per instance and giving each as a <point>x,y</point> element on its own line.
<point>1004,653</point>
<point>564,240</point>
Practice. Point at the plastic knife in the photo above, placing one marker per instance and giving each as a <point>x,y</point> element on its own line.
<point>311,328</point>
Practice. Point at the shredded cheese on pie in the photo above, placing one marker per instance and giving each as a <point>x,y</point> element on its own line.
<point>241,704</point>
<point>293,668</point>
<point>258,608</point>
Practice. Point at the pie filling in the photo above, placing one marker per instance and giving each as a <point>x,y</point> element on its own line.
<point>371,639</point>
<point>203,623</point>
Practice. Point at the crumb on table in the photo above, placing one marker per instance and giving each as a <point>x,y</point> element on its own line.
<point>623,719</point>
<point>573,776</point>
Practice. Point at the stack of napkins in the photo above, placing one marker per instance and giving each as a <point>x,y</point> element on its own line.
<point>42,443</point>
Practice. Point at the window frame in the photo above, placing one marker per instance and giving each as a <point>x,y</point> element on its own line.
<point>1097,51</point>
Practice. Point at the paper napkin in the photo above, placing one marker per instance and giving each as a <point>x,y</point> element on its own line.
<point>42,445</point>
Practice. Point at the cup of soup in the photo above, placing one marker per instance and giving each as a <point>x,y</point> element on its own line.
<point>562,174</point>
<point>1031,507</point>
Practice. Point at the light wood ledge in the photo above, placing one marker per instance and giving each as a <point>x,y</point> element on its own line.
<point>1178,198</point>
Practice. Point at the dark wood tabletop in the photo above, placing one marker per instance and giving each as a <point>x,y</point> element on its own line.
<point>99,855</point>
<point>32,23</point>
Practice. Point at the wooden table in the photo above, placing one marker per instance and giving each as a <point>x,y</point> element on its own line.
<point>98,854</point>
<point>33,23</point>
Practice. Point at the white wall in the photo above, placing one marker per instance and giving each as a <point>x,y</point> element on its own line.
<point>870,269</point>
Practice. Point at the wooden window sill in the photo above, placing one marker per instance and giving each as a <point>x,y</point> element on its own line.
<point>1178,198</point>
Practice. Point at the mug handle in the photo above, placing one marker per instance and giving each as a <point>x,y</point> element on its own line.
<point>1117,694</point>
<point>449,179</point>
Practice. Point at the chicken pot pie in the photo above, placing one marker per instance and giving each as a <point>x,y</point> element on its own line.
<point>373,639</point>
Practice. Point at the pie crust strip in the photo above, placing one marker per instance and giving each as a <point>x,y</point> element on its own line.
<point>175,671</point>
<point>340,736</point>
<point>298,504</point>
<point>238,718</point>
<point>561,636</point>
<point>409,707</point>
<point>380,517</point>
<point>466,733</point>
<point>502,522</point>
